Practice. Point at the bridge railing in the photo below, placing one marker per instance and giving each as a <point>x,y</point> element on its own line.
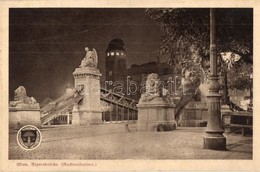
<point>55,111</point>
<point>122,109</point>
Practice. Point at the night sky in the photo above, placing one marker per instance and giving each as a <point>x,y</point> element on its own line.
<point>46,45</point>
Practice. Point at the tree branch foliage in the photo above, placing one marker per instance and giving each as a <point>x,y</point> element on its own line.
<point>186,36</point>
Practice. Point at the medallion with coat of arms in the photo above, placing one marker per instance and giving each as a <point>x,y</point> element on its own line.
<point>29,137</point>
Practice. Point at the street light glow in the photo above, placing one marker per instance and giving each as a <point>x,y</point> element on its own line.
<point>230,58</point>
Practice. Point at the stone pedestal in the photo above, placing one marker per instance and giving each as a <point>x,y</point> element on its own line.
<point>90,117</point>
<point>156,115</point>
<point>225,117</point>
<point>75,116</point>
<point>89,109</point>
<point>195,114</point>
<point>24,114</point>
<point>225,110</point>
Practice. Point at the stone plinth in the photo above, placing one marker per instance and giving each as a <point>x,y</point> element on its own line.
<point>24,114</point>
<point>155,114</point>
<point>225,110</point>
<point>89,109</point>
<point>90,117</point>
<point>75,115</point>
<point>195,114</point>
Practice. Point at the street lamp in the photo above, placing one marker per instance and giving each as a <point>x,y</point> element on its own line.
<point>214,138</point>
<point>229,58</point>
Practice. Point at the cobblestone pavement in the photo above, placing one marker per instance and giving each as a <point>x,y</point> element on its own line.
<point>113,141</point>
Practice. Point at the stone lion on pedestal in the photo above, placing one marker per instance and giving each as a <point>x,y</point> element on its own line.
<point>152,84</point>
<point>90,60</point>
<point>20,97</point>
<point>152,87</point>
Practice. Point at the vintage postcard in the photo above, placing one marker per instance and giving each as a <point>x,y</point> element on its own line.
<point>108,86</point>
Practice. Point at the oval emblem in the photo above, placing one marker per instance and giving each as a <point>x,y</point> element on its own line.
<point>29,137</point>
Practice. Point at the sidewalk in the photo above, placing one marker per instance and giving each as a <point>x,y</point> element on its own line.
<point>112,141</point>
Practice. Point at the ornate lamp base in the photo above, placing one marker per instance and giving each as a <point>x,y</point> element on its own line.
<point>214,138</point>
<point>214,142</point>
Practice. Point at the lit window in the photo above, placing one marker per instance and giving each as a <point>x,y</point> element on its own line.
<point>122,54</point>
<point>112,53</point>
<point>117,53</point>
<point>107,54</point>
<point>110,73</point>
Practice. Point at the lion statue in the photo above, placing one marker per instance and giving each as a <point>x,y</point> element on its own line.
<point>20,97</point>
<point>152,87</point>
<point>152,84</point>
<point>90,60</point>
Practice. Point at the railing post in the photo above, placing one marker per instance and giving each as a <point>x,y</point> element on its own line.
<point>128,114</point>
<point>116,113</point>
<point>110,113</point>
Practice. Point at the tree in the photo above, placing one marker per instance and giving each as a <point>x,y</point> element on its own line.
<point>186,38</point>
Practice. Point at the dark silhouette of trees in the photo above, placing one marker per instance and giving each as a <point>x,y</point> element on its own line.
<point>186,40</point>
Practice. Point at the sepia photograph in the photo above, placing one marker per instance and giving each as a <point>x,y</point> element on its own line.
<point>88,86</point>
<point>122,83</point>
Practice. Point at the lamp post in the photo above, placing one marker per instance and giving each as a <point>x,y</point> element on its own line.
<point>214,138</point>
<point>229,58</point>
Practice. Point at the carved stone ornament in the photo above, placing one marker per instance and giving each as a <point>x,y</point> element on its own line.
<point>152,88</point>
<point>90,60</point>
<point>20,97</point>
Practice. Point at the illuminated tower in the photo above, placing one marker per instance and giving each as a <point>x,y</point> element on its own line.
<point>115,65</point>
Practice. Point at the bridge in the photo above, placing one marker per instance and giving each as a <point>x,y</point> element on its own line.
<point>119,108</point>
